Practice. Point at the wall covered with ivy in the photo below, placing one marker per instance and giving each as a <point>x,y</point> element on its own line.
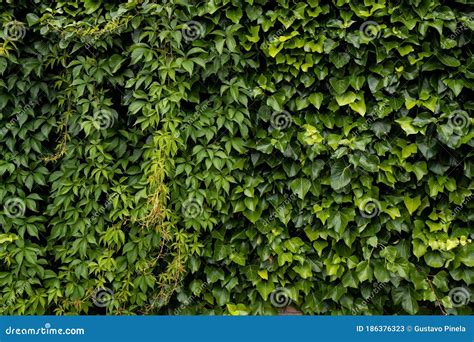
<point>236,157</point>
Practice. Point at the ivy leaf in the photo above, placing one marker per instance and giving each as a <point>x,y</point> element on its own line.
<point>92,5</point>
<point>434,259</point>
<point>340,175</point>
<point>238,310</point>
<point>274,49</point>
<point>380,272</point>
<point>406,125</point>
<point>300,187</point>
<point>32,19</point>
<point>419,248</point>
<point>303,270</point>
<point>349,280</point>
<point>364,271</point>
<point>412,203</point>
<point>234,14</point>
<point>405,296</point>
<point>316,99</point>
<point>265,288</point>
<point>214,274</point>
<point>359,106</point>
<point>346,98</point>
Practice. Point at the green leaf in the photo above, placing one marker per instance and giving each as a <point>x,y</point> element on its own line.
<point>7,238</point>
<point>265,288</point>
<point>346,98</point>
<point>349,280</point>
<point>238,259</point>
<point>419,248</point>
<point>316,99</point>
<point>214,274</point>
<point>32,19</point>
<point>359,106</point>
<point>274,49</point>
<point>238,310</point>
<point>300,187</point>
<point>405,296</point>
<point>406,125</point>
<point>381,273</point>
<point>434,259</point>
<point>340,175</point>
<point>263,274</point>
<point>412,203</point>
<point>364,271</point>
<point>234,14</point>
<point>303,270</point>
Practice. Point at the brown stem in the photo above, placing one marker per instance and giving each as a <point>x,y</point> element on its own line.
<point>441,307</point>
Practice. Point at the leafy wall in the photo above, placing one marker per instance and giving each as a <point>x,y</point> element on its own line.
<point>236,157</point>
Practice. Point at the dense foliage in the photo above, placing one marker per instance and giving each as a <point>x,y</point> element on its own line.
<point>236,157</point>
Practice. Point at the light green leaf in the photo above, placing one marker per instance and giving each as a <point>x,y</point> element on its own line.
<point>412,203</point>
